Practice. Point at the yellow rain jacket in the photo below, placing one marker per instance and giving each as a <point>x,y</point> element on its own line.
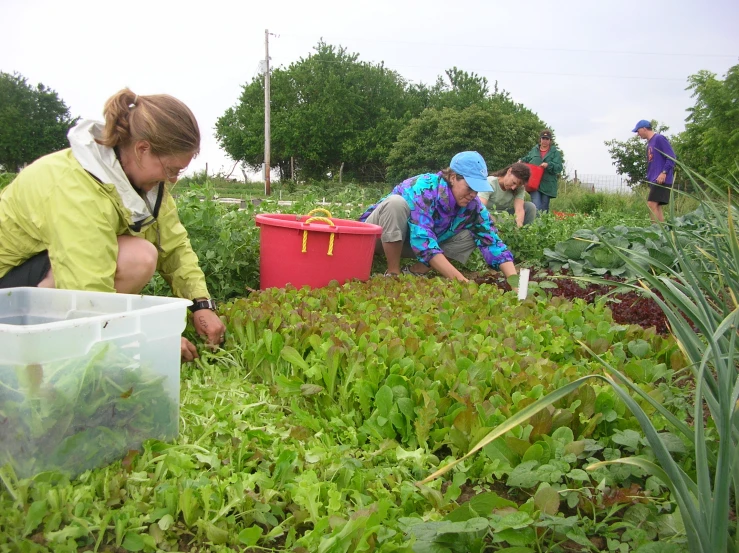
<point>75,203</point>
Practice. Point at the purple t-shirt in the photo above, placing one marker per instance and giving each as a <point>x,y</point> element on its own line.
<point>658,148</point>
<point>436,217</point>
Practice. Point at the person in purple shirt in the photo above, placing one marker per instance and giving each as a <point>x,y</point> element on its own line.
<point>435,217</point>
<point>660,168</point>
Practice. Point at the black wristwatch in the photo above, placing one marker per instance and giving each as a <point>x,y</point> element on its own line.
<point>197,305</point>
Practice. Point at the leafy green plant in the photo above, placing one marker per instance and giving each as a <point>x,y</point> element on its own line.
<point>585,253</point>
<point>529,243</point>
<point>78,414</point>
<point>310,427</point>
<point>225,239</point>
<point>699,293</point>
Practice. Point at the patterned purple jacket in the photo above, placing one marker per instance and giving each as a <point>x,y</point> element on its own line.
<point>436,217</point>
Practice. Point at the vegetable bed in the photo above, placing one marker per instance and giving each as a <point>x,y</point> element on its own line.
<point>314,425</point>
<point>627,307</point>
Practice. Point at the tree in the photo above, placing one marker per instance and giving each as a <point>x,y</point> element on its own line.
<point>327,111</point>
<point>711,131</point>
<point>34,121</point>
<point>630,157</point>
<point>462,91</point>
<point>499,129</point>
<point>331,112</point>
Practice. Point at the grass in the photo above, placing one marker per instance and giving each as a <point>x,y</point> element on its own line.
<point>575,198</point>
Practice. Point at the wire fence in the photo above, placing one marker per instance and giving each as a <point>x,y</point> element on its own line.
<point>603,183</point>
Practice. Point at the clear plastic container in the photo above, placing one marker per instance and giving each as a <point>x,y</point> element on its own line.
<point>85,377</point>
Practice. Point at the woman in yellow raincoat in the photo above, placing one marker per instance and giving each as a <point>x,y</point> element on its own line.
<point>97,216</point>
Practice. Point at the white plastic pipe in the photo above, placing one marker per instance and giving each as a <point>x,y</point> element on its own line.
<point>523,284</point>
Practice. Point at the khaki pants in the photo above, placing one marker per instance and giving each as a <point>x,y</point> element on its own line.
<point>393,214</point>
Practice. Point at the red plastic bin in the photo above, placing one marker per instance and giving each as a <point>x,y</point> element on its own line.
<point>537,171</point>
<point>299,250</point>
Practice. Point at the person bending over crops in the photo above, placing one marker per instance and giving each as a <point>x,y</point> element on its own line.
<point>508,193</point>
<point>546,155</point>
<point>435,217</point>
<point>98,217</point>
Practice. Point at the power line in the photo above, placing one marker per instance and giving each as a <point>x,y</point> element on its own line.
<point>532,48</point>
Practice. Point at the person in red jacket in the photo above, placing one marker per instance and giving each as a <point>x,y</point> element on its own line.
<point>546,155</point>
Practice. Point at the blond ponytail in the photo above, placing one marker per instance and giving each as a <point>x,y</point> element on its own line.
<point>163,121</point>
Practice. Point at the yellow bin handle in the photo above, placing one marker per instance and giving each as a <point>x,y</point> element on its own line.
<point>321,210</point>
<point>321,220</point>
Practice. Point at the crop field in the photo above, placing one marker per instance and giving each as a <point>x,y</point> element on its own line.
<point>421,415</point>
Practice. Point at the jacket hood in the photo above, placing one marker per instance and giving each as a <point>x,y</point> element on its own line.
<point>102,163</point>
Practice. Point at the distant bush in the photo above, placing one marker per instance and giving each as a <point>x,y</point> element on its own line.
<point>6,179</point>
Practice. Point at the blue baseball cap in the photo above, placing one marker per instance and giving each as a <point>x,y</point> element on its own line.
<point>472,167</point>
<point>642,124</point>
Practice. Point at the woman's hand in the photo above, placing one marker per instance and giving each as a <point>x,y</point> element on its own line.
<point>208,325</point>
<point>544,165</point>
<point>442,266</point>
<point>509,269</point>
<point>188,351</point>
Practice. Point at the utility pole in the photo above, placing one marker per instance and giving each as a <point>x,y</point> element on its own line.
<point>267,190</point>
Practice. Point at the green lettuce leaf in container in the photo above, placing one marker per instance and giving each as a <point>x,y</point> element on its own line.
<point>81,413</point>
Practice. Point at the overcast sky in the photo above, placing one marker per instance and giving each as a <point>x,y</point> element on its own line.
<point>589,69</point>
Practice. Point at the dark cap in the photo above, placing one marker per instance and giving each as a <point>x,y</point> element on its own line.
<point>546,134</point>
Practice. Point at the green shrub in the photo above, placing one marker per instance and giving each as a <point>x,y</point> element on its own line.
<point>6,179</point>
<point>226,241</point>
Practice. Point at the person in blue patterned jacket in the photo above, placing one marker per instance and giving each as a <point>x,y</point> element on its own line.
<point>435,217</point>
